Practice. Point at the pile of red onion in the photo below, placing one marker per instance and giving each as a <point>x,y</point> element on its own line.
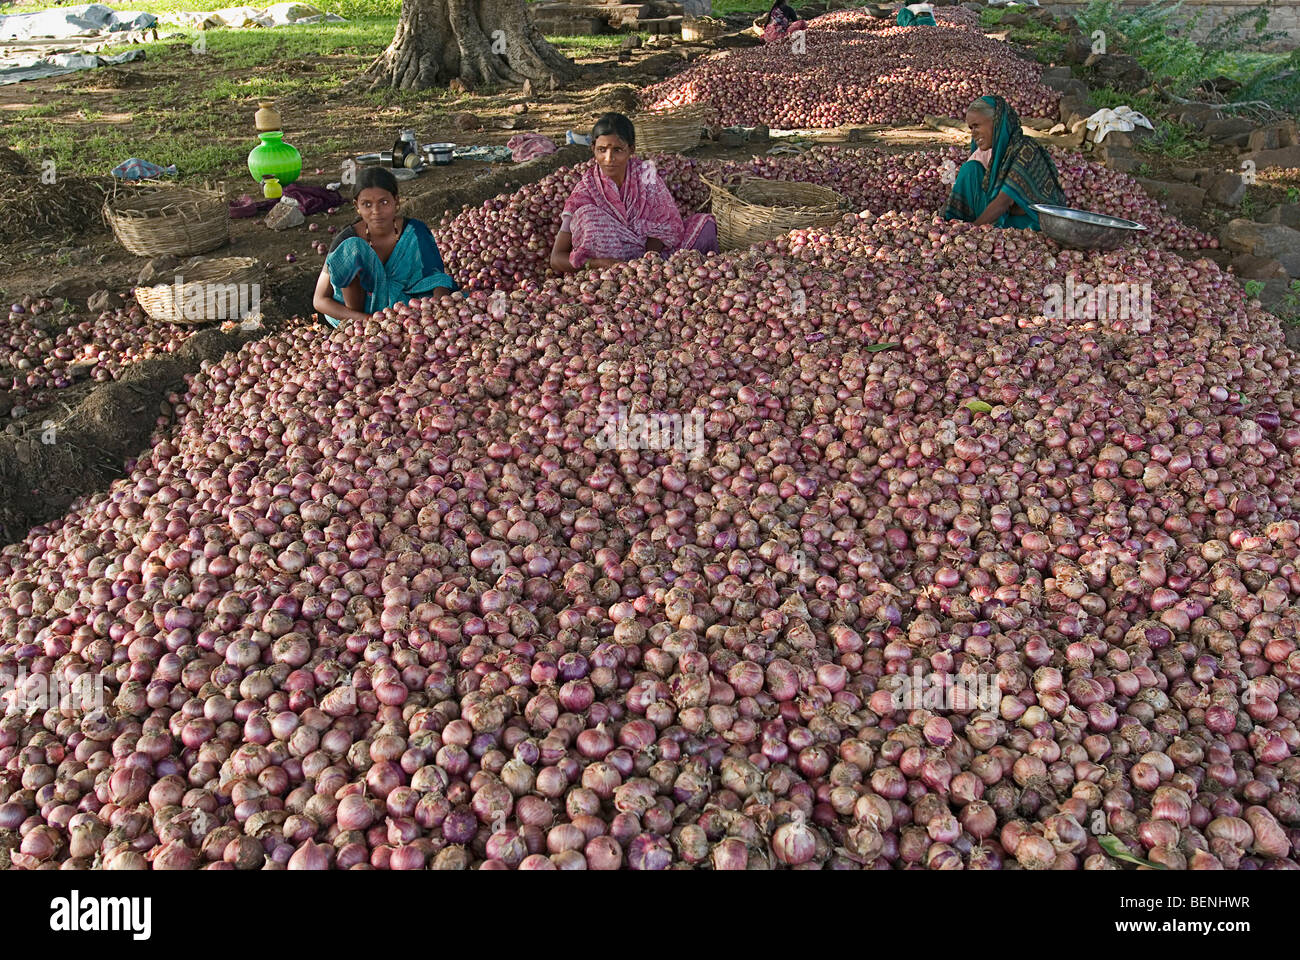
<point>42,352</point>
<point>861,20</point>
<point>841,77</point>
<point>387,598</point>
<point>506,242</point>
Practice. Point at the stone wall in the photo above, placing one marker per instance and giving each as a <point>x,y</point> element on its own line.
<point>1285,15</point>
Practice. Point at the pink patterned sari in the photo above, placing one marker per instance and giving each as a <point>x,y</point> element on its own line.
<point>609,222</point>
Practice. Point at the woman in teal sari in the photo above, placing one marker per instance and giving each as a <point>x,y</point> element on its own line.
<point>915,15</point>
<point>1005,174</point>
<point>381,260</point>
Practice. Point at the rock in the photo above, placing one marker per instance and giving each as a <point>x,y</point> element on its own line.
<point>1123,164</point>
<point>1118,70</point>
<point>159,270</point>
<point>1185,174</point>
<point>1057,129</point>
<point>1041,124</point>
<point>1063,84</point>
<point>457,85</point>
<point>632,42</point>
<point>1287,214</point>
<point>760,134</point>
<point>71,288</point>
<point>1072,105</point>
<point>1250,267</point>
<point>467,121</point>
<point>1127,138</point>
<point>1265,240</point>
<point>1076,51</point>
<point>517,108</point>
<point>1288,157</point>
<point>1272,137</point>
<point>105,300</point>
<point>1230,130</point>
<point>1077,124</point>
<point>730,138</point>
<point>1013,20</point>
<point>1184,196</point>
<point>1195,115</point>
<point>660,63</point>
<point>1291,332</point>
<point>528,84</point>
<point>857,135</point>
<point>1226,189</point>
<point>1274,298</point>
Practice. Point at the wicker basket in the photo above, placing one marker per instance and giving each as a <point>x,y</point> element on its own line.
<point>160,218</point>
<point>750,210</point>
<point>671,131</point>
<point>162,303</point>
<point>702,28</point>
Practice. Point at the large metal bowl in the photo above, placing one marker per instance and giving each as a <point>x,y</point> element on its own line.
<point>1081,230</point>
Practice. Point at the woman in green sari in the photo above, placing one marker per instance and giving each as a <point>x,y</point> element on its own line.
<point>1005,174</point>
<point>915,15</point>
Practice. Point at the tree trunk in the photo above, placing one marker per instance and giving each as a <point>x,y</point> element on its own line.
<point>481,42</point>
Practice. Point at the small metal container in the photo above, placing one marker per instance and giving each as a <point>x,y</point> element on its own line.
<point>1082,230</point>
<point>439,153</point>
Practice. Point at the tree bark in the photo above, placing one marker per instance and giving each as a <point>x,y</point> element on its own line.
<point>481,42</point>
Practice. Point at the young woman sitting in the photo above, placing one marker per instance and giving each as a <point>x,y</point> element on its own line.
<point>381,260</point>
<point>1007,172</point>
<point>621,209</point>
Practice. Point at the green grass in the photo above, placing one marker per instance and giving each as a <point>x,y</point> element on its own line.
<point>583,46</point>
<point>1046,44</point>
<point>188,123</point>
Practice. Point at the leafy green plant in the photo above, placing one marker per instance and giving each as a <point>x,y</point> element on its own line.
<point>1293,194</point>
<point>1251,206</point>
<point>1143,169</point>
<point>1171,140</point>
<point>1253,288</point>
<point>1160,39</point>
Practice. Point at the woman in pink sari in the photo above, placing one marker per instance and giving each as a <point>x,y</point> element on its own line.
<point>621,209</point>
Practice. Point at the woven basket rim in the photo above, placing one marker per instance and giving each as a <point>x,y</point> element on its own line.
<point>727,188</point>
<point>213,270</point>
<point>159,300</point>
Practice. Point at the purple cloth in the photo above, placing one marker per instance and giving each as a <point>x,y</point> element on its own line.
<point>311,200</point>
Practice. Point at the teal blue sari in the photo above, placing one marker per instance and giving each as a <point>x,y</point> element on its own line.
<point>906,18</point>
<point>413,269</point>
<point>1020,168</point>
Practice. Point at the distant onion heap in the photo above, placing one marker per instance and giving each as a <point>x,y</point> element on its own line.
<point>861,20</point>
<point>398,597</point>
<point>854,77</point>
<point>507,241</point>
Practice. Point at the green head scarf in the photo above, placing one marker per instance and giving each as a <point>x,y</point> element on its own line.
<point>1019,167</point>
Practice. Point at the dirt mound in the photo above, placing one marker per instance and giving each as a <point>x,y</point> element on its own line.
<point>63,458</point>
<point>31,208</point>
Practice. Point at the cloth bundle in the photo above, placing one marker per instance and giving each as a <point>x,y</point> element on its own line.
<point>530,146</point>
<point>1122,119</point>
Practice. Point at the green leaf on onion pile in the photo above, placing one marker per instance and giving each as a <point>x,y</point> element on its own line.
<point>877,347</point>
<point>1114,846</point>
<point>978,406</point>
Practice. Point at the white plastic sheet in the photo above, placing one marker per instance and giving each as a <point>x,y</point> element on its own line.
<point>237,18</point>
<point>38,68</point>
<point>88,20</point>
